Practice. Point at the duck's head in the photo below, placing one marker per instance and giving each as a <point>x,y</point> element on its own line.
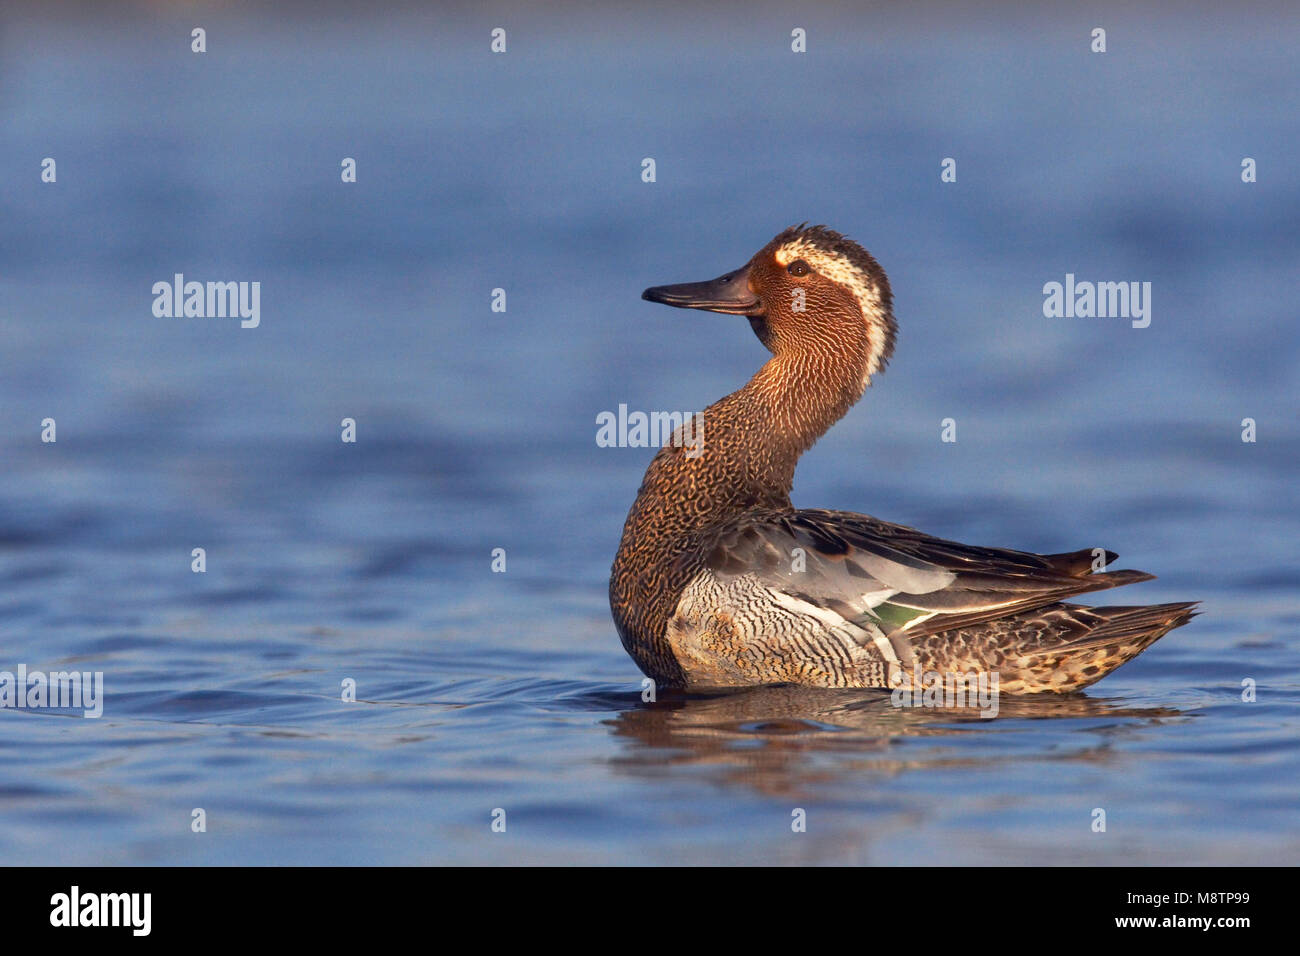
<point>809,293</point>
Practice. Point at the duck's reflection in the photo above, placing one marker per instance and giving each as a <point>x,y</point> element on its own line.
<point>771,738</point>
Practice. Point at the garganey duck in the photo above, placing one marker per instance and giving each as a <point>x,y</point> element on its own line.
<point>720,582</point>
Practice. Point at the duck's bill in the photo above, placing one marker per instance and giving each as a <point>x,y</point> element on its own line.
<point>729,294</point>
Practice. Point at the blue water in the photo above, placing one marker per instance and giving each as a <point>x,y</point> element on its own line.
<point>371,561</point>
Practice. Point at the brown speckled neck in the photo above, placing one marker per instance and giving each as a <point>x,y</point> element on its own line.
<point>752,440</point>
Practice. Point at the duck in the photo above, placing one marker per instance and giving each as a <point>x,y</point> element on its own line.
<point>720,583</point>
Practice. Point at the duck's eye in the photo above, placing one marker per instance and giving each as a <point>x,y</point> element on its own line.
<point>798,268</point>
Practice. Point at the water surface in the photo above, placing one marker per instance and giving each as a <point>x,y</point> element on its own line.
<point>476,429</point>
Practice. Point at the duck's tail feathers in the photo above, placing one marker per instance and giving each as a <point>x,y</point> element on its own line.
<point>1122,634</point>
<point>1140,626</point>
<point>1089,561</point>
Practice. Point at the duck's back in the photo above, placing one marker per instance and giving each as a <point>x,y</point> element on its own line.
<point>844,600</point>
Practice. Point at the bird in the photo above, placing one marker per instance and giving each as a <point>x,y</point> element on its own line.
<point>719,582</point>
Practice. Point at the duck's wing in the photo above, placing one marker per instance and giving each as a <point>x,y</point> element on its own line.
<point>893,582</point>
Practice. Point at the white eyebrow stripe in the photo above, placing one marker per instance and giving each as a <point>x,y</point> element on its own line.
<point>839,269</point>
